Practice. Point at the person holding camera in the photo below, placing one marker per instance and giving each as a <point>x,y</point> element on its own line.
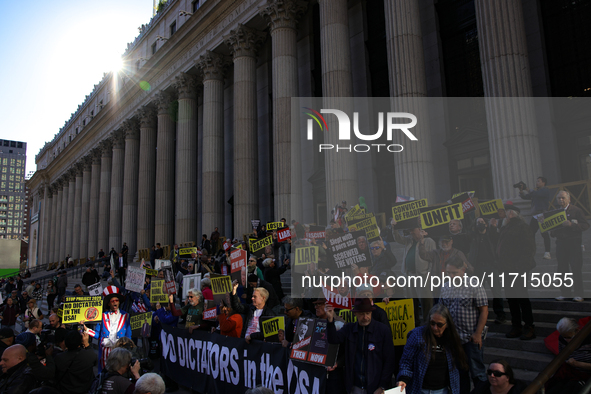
<point>111,380</point>
<point>75,367</point>
<point>540,202</point>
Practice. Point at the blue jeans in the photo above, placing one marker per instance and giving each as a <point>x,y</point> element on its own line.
<point>439,391</point>
<point>474,356</point>
<point>284,251</point>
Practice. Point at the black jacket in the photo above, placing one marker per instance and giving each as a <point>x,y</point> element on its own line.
<point>18,380</point>
<point>273,276</point>
<point>75,370</point>
<point>247,312</point>
<point>378,350</point>
<point>516,247</point>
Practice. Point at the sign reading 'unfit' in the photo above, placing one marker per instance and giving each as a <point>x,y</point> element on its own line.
<point>439,216</point>
<point>490,207</point>
<point>408,210</point>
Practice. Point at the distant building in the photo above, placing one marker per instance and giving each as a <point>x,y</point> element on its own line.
<point>12,188</point>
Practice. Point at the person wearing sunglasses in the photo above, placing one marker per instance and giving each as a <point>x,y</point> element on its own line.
<point>501,380</point>
<point>383,260</point>
<point>432,355</point>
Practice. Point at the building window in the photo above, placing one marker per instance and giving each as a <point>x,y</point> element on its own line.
<point>92,113</point>
<point>6,143</point>
<point>154,47</point>
<point>195,6</point>
<point>13,144</point>
<point>173,28</point>
<point>83,123</point>
<point>20,145</point>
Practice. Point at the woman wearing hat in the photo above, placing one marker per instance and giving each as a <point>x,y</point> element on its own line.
<point>115,324</point>
<point>431,356</point>
<point>32,312</point>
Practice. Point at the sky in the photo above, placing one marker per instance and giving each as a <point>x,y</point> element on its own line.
<point>52,54</point>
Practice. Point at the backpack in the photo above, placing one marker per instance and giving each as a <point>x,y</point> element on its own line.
<point>97,384</point>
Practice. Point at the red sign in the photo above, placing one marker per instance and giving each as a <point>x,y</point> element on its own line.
<point>337,300</point>
<point>468,205</point>
<point>284,234</point>
<point>316,234</point>
<point>210,313</point>
<point>227,244</point>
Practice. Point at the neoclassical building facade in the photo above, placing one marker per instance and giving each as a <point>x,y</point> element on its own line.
<point>195,133</point>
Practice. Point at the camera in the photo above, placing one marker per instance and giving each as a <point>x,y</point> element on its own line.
<point>146,364</point>
<point>520,185</point>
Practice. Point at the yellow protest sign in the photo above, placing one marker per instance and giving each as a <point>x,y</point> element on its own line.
<point>151,272</point>
<point>221,284</point>
<point>141,324</point>
<point>272,326</point>
<point>552,221</point>
<point>260,244</point>
<point>157,292</point>
<point>187,251</point>
<point>490,207</point>
<point>408,210</point>
<point>401,315</point>
<point>441,215</point>
<point>347,315</point>
<point>306,255</point>
<point>86,309</point>
<point>354,212</point>
<point>460,193</point>
<point>274,226</point>
<point>369,225</point>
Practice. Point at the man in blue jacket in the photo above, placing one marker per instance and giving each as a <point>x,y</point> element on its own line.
<point>540,202</point>
<point>369,349</point>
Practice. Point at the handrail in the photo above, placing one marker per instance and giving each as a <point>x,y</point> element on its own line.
<point>539,382</point>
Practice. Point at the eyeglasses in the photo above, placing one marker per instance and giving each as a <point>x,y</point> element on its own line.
<point>375,248</point>
<point>497,374</point>
<point>289,309</point>
<point>439,325</point>
<point>190,296</point>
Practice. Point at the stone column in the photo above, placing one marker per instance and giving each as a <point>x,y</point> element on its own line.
<point>186,160</point>
<point>116,207</point>
<point>337,81</point>
<point>406,67</point>
<point>213,67</point>
<point>77,213</point>
<point>56,208</point>
<point>63,234</point>
<point>282,16</point>
<point>105,195</point>
<point>93,209</point>
<point>46,230</point>
<point>146,178</point>
<point>164,220</point>
<point>130,186</point>
<point>243,43</point>
<point>85,206</point>
<point>69,210</point>
<point>512,132</point>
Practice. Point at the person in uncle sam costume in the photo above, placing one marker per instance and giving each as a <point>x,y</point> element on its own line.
<point>115,324</point>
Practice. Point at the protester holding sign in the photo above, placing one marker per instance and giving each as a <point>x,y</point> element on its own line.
<point>369,350</point>
<point>540,202</point>
<point>252,314</point>
<point>568,245</point>
<point>383,260</point>
<point>252,267</point>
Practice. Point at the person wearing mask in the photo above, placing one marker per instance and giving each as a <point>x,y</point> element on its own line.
<point>368,348</point>
<point>75,366</point>
<point>432,356</point>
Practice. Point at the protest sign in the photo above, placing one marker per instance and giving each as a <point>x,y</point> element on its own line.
<point>490,208</point>
<point>304,256</point>
<point>347,315</point>
<point>95,290</point>
<point>401,316</point>
<point>310,343</point>
<point>260,246</point>
<point>218,364</point>
<point>315,232</point>
<point>271,327</point>
<point>345,251</point>
<point>151,272</point>
<point>169,282</point>
<point>82,308</point>
<point>435,220</point>
<point>283,234</point>
<point>227,244</point>
<point>141,324</point>
<point>135,279</point>
<point>552,219</point>
<point>186,252</point>
<point>191,282</point>
<point>238,260</point>
<point>405,212</point>
<point>159,263</point>
<point>158,292</point>
<point>465,200</point>
<point>208,314</point>
<point>220,286</point>
<point>338,298</point>
<point>470,193</point>
<point>275,226</point>
<point>353,212</point>
<point>255,223</point>
<point>369,225</point>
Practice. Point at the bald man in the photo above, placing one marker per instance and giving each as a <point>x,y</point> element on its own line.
<point>18,377</point>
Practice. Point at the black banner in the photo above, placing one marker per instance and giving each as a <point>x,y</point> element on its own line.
<point>210,363</point>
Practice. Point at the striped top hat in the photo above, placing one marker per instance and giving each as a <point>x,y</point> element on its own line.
<point>110,292</point>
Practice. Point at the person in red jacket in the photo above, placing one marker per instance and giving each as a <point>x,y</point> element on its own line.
<point>230,322</point>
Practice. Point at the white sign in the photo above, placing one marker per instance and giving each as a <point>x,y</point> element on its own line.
<point>135,279</point>
<point>95,290</point>
<point>161,263</point>
<point>191,282</point>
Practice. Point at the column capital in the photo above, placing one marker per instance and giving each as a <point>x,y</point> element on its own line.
<point>283,13</point>
<point>87,162</point>
<point>95,156</point>
<point>118,138</point>
<point>131,129</point>
<point>78,168</point>
<point>186,86</point>
<point>163,100</point>
<point>213,65</point>
<point>41,192</point>
<point>106,147</point>
<point>244,41</point>
<point>147,116</point>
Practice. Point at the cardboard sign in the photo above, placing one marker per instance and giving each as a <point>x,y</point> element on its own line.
<point>258,246</point>
<point>354,212</point>
<point>408,210</point>
<point>135,279</point>
<point>348,316</point>
<point>158,292</point>
<point>465,200</point>
<point>227,244</point>
<point>369,225</point>
<point>220,286</point>
<point>490,207</point>
<point>316,232</point>
<point>271,327</point>
<point>401,315</point>
<point>470,193</point>
<point>186,252</point>
<point>552,220</point>
<point>141,324</point>
<point>310,343</point>
<point>338,300</point>
<point>238,262</point>
<point>284,234</point>
<point>96,289</point>
<point>303,256</point>
<point>86,309</point>
<point>151,272</point>
<point>441,215</point>
<point>255,223</point>
<point>210,314</point>
<point>275,226</point>
<point>169,282</point>
<point>345,250</point>
<point>191,282</point>
<point>159,263</point>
